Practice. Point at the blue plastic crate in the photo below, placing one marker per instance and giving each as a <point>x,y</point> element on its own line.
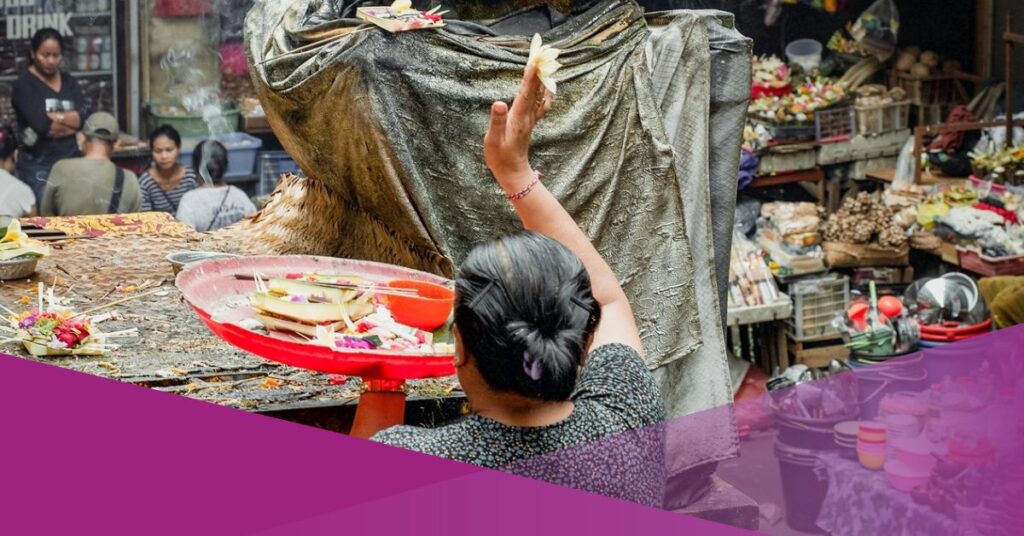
<point>242,149</point>
<point>273,164</point>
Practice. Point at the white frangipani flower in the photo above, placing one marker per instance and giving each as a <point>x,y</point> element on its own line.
<point>401,6</point>
<point>546,59</point>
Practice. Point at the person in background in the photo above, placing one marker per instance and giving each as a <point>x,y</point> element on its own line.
<point>49,106</point>
<point>216,204</point>
<point>166,181</point>
<point>92,184</point>
<point>16,198</point>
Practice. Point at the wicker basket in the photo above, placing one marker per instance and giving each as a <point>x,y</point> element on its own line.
<point>846,255</point>
<point>18,268</point>
<point>937,89</point>
<point>881,119</point>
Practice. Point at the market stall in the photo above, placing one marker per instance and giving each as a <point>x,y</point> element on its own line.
<point>120,263</point>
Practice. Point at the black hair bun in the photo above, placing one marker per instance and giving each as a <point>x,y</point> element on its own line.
<point>549,355</point>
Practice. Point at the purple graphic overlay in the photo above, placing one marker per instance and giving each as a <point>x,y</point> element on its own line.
<point>926,443</point>
<point>85,455</point>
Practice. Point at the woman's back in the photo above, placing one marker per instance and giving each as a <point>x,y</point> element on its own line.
<point>209,209</point>
<point>612,443</point>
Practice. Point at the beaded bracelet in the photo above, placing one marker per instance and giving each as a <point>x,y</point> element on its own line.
<point>525,191</point>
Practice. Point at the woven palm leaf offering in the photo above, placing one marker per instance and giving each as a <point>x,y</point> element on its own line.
<point>349,312</point>
<point>53,329</point>
<point>19,254</point>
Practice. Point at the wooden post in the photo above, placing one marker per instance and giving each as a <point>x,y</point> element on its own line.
<point>918,150</point>
<point>983,39</point>
<point>1009,79</point>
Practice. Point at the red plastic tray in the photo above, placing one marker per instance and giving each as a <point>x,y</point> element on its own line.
<point>221,300</point>
<point>973,261</point>
<point>953,331</point>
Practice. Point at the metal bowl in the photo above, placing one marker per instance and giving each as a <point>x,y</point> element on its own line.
<point>180,259</point>
<point>18,268</point>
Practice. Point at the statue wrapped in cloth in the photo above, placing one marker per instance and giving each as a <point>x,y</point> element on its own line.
<point>640,147</point>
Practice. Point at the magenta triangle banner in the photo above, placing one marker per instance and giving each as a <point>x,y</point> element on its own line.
<point>86,455</point>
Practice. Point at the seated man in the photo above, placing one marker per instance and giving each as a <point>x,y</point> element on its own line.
<point>92,184</point>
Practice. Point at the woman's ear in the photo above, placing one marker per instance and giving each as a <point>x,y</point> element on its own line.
<point>460,349</point>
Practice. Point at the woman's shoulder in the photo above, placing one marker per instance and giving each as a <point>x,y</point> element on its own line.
<point>10,182</point>
<point>614,352</point>
<point>192,195</point>
<point>66,76</point>
<point>449,441</point>
<point>24,80</point>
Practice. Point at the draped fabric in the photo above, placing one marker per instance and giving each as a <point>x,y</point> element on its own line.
<point>391,125</point>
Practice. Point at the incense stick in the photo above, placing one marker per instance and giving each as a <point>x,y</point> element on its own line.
<point>377,289</point>
<point>117,302</point>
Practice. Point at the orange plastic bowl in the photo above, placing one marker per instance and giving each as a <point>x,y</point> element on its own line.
<point>428,311</point>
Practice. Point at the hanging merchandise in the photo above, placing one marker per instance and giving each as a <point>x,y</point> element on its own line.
<point>877,29</point>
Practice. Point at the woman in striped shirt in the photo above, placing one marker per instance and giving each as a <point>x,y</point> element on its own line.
<point>166,181</point>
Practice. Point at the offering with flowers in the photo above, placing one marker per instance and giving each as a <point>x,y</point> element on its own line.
<point>53,329</point>
<point>770,71</point>
<point>345,312</point>
<point>400,16</point>
<point>15,243</point>
<point>1001,165</point>
<point>800,105</point>
<point>771,77</point>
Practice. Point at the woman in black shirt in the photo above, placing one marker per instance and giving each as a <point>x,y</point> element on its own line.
<point>50,109</point>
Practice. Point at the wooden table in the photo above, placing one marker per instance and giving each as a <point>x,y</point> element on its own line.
<point>771,335</point>
<point>814,176</point>
<point>887,175</point>
<point>175,352</point>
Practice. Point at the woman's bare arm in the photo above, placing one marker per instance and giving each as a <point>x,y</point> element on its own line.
<point>506,150</point>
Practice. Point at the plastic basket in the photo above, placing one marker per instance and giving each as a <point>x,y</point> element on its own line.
<point>833,123</point>
<point>241,148</point>
<point>181,8</point>
<point>790,132</point>
<point>273,164</point>
<point>816,302</point>
<point>189,125</point>
<point>974,261</point>
<point>881,119</point>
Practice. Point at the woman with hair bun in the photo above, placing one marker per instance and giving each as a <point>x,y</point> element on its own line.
<point>216,204</point>
<point>547,349</point>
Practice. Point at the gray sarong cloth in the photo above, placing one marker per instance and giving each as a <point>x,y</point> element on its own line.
<point>706,158</point>
<point>393,124</point>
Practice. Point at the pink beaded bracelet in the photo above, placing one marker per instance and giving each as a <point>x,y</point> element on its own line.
<point>525,191</point>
